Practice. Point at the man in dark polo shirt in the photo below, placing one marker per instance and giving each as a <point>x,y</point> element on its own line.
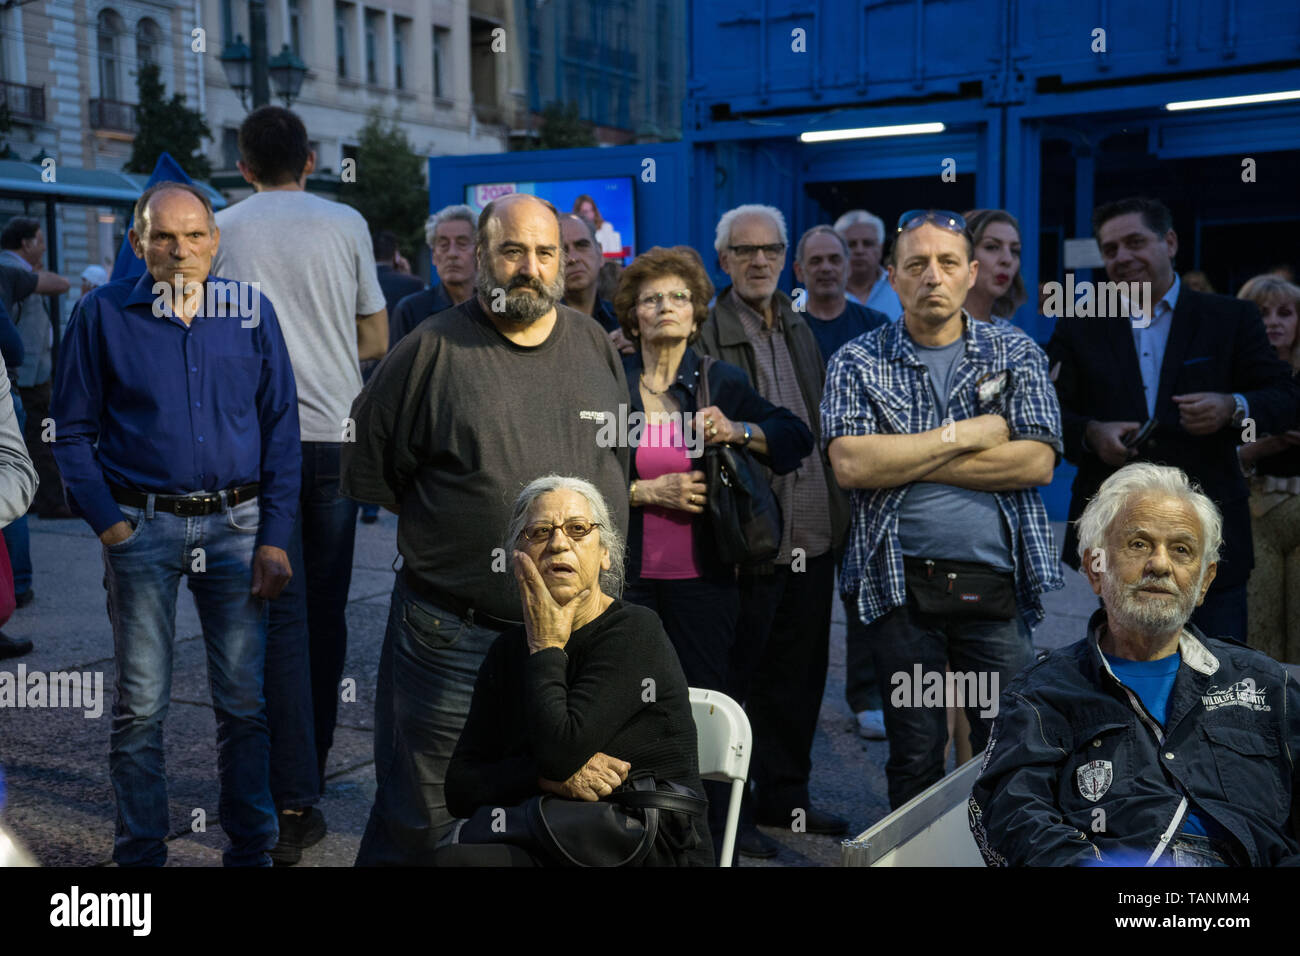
<point>177,425</point>
<point>450,234</point>
<point>466,410</point>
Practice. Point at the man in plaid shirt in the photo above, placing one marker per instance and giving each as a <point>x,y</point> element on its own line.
<point>942,426</point>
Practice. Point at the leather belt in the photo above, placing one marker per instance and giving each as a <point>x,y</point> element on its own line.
<point>186,506</point>
<point>439,598</point>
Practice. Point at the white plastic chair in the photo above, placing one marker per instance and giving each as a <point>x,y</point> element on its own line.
<point>724,741</point>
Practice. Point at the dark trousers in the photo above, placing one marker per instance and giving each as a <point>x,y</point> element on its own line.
<point>1223,613</point>
<point>307,634</point>
<point>49,496</point>
<point>779,673</point>
<point>700,617</point>
<point>860,688</point>
<point>16,534</point>
<point>904,639</point>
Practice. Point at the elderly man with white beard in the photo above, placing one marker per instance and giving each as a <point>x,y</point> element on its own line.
<point>1146,743</point>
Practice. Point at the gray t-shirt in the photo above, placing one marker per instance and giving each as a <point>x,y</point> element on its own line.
<point>313,259</point>
<point>940,521</point>
<point>457,419</point>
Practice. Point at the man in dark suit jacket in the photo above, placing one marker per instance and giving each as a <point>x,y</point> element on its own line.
<point>1200,365</point>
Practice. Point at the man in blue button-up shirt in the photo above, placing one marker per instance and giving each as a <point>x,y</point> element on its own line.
<point>177,438</point>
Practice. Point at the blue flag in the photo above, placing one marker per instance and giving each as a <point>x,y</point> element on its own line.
<point>127,264</point>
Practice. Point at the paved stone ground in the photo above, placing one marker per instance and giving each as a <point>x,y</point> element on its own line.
<point>60,802</point>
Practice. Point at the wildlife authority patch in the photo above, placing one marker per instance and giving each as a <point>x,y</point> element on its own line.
<point>1094,779</point>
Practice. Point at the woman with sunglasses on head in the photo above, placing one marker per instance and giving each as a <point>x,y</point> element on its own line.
<point>661,301</point>
<point>999,288</point>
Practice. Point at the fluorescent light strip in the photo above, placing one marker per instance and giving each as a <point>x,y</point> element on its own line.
<point>870,132</point>
<point>1234,101</point>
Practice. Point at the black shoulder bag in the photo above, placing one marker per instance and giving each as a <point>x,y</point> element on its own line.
<point>618,831</point>
<point>743,512</point>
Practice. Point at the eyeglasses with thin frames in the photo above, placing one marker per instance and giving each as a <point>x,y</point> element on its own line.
<point>679,298</point>
<point>575,529</point>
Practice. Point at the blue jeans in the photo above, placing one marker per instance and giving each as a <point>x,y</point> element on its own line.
<point>141,575</point>
<point>427,671</point>
<point>307,636</point>
<point>903,638</point>
<point>17,535</point>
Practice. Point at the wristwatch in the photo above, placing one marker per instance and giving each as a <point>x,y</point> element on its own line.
<point>749,434</point>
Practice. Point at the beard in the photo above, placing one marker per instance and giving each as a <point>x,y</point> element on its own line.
<point>1149,615</point>
<point>520,307</point>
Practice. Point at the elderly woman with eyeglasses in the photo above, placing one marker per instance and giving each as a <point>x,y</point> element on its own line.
<point>661,301</point>
<point>587,692</point>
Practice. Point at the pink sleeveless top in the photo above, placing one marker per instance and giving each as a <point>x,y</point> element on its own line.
<point>668,536</point>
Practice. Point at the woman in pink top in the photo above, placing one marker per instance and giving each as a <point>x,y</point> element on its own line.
<point>672,567</point>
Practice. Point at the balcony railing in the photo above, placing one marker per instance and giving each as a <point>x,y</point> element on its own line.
<point>113,116</point>
<point>23,102</point>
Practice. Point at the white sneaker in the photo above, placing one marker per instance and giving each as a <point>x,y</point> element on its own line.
<point>871,724</point>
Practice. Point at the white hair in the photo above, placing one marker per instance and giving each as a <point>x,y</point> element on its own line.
<point>448,214</point>
<point>1136,480</point>
<point>723,237</point>
<point>858,217</point>
<point>611,581</point>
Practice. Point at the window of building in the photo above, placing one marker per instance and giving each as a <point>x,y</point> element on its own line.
<point>295,26</point>
<point>401,30</point>
<point>441,62</point>
<point>372,48</point>
<point>227,22</point>
<point>341,37</point>
<point>148,41</point>
<point>229,147</point>
<point>110,28</point>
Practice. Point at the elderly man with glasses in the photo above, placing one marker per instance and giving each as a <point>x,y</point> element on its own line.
<point>943,427</point>
<point>1147,743</point>
<point>780,655</point>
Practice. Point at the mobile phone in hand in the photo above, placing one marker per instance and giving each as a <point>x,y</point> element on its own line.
<point>1139,437</point>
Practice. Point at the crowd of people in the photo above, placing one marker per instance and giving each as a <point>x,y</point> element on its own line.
<point>550,574</point>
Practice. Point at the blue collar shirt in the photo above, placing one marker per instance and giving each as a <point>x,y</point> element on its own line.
<point>149,404</point>
<point>1151,342</point>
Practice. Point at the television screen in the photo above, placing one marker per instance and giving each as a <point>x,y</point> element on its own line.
<point>606,202</point>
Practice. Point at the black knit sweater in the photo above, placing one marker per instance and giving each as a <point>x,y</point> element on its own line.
<point>616,688</point>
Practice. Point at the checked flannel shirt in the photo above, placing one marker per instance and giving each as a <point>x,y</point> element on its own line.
<point>876,385</point>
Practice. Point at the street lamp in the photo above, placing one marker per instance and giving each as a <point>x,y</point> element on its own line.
<point>287,73</point>
<point>247,70</point>
<point>237,63</point>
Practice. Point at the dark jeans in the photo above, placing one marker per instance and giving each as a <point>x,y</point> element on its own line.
<point>141,575</point>
<point>49,496</point>
<point>17,535</point>
<point>904,638</point>
<point>1223,613</point>
<point>308,633</point>
<point>779,673</point>
<point>860,687</point>
<point>700,617</point>
<point>427,670</point>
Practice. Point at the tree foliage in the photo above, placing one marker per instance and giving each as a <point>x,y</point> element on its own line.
<point>388,187</point>
<point>165,125</point>
<point>561,128</point>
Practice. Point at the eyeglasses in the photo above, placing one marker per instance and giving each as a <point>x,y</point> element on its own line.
<point>574,529</point>
<point>773,250</point>
<point>679,297</point>
<point>943,218</point>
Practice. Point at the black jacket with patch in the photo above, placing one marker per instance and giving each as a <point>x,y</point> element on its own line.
<point>1077,772</point>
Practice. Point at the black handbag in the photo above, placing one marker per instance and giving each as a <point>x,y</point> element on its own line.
<point>960,589</point>
<point>743,513</point>
<point>618,831</point>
